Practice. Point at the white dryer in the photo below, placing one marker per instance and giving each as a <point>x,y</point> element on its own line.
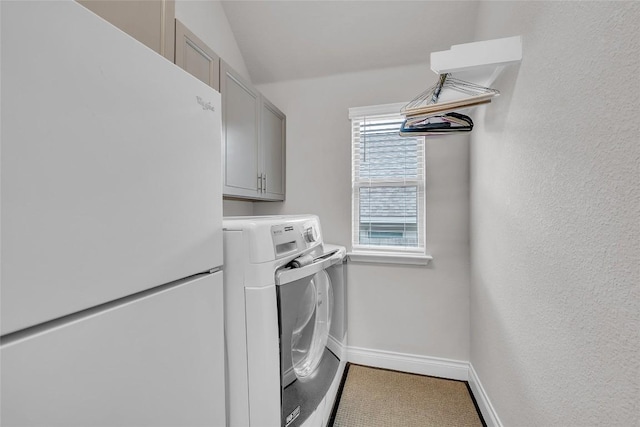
<point>285,321</point>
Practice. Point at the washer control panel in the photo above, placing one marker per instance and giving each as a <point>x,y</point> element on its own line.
<point>289,238</point>
<point>269,238</point>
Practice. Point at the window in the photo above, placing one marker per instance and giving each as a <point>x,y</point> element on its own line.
<point>388,184</point>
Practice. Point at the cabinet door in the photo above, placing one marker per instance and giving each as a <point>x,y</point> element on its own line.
<point>148,21</point>
<point>272,146</point>
<point>240,110</point>
<point>155,360</point>
<point>194,56</point>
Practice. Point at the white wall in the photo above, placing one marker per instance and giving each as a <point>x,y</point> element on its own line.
<point>555,207</point>
<point>208,21</point>
<point>415,310</point>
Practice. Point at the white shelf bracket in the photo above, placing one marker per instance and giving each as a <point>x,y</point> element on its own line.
<point>478,62</point>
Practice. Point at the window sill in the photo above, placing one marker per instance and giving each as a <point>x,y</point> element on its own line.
<point>389,258</point>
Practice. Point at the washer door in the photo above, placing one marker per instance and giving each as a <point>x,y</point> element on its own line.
<point>307,367</point>
<point>312,323</point>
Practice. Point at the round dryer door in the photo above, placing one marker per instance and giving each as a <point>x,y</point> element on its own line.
<point>311,328</point>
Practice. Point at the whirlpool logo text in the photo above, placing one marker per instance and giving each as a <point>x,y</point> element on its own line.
<point>205,105</point>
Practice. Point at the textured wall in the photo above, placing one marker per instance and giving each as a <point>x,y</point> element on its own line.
<point>555,218</point>
<point>416,310</point>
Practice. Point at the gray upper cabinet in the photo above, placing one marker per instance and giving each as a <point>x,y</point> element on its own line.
<point>148,21</point>
<point>195,57</point>
<point>240,111</point>
<point>272,144</point>
<point>253,135</point>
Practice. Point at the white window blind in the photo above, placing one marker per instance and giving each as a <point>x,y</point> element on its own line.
<point>388,183</point>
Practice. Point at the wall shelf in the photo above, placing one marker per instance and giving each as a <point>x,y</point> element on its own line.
<point>478,62</point>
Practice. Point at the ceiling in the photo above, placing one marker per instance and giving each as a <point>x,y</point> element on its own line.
<point>286,40</point>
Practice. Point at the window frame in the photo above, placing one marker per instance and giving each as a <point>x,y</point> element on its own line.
<point>377,253</point>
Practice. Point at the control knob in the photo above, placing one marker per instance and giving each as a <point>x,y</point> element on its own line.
<point>310,235</point>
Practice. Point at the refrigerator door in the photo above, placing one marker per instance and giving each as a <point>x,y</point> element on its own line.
<point>111,167</point>
<point>154,361</point>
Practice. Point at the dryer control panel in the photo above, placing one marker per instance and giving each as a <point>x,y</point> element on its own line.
<point>294,237</point>
<point>269,238</point>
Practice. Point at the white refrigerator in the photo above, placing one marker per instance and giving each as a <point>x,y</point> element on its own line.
<point>111,228</point>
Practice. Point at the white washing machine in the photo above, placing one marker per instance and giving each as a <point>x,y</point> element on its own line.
<point>285,321</point>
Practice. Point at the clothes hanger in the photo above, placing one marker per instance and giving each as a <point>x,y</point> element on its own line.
<point>436,125</point>
<point>430,102</point>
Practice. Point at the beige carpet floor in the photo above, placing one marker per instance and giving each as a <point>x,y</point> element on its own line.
<point>374,397</point>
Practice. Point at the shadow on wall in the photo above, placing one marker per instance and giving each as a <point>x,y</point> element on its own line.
<point>495,385</point>
<point>496,113</point>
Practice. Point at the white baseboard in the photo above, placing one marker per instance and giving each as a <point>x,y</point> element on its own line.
<point>415,364</point>
<point>337,348</point>
<point>488,412</point>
